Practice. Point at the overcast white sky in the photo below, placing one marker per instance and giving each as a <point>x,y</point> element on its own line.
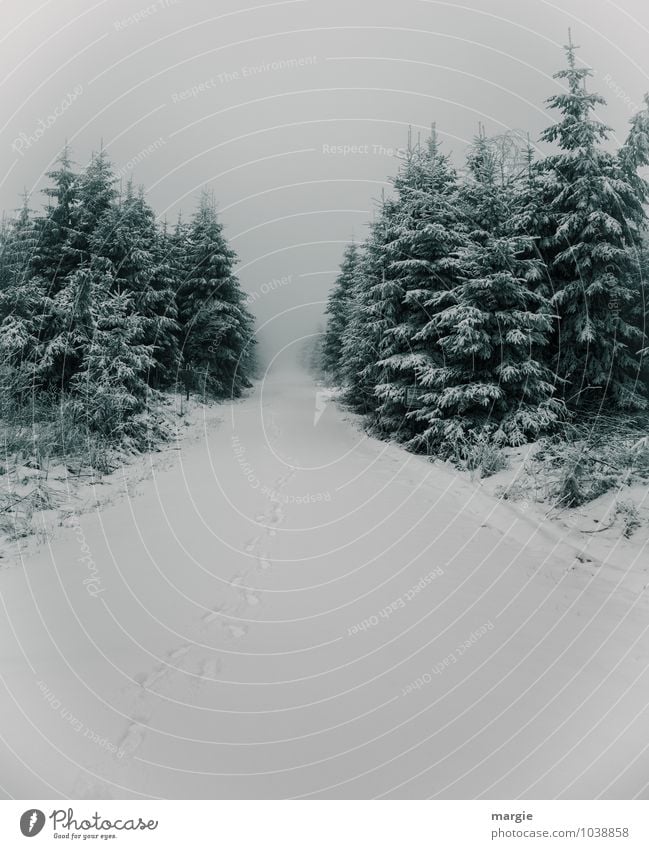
<point>350,72</point>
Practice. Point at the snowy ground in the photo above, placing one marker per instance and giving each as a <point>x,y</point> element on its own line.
<point>285,607</point>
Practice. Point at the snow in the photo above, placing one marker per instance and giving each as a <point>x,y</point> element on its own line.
<point>285,607</point>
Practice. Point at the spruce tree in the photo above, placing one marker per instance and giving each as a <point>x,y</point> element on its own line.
<point>374,300</point>
<point>110,388</point>
<point>633,156</point>
<point>96,195</point>
<point>65,262</point>
<point>338,310</point>
<point>127,235</point>
<point>217,341</point>
<point>55,258</point>
<point>69,326</point>
<point>596,210</point>
<point>492,385</point>
<point>491,328</point>
<point>422,257</point>
<point>21,304</point>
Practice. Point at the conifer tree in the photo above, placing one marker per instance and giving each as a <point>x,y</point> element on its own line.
<point>596,210</point>
<point>21,303</point>
<point>96,195</point>
<point>19,293</point>
<point>422,257</point>
<point>338,310</point>
<point>530,218</point>
<point>491,385</point>
<point>216,328</point>
<point>633,156</point>
<point>374,300</point>
<point>54,258</point>
<point>110,388</point>
<point>69,325</point>
<point>491,328</point>
<point>128,236</point>
<point>65,262</point>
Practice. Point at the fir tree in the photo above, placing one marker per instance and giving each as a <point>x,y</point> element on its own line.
<point>491,328</point>
<point>65,262</point>
<point>54,259</point>
<point>110,389</point>
<point>596,210</point>
<point>338,310</point>
<point>374,300</point>
<point>530,218</point>
<point>491,385</point>
<point>634,155</point>
<point>69,322</point>
<point>216,328</point>
<point>422,257</point>
<point>127,235</point>
<point>21,302</point>
<point>96,195</point>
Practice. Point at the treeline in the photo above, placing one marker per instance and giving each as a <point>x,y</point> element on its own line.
<point>485,307</point>
<point>102,308</point>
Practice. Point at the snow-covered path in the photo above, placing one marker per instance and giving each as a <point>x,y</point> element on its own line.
<point>296,610</point>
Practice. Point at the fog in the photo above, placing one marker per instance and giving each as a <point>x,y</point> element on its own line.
<point>292,112</point>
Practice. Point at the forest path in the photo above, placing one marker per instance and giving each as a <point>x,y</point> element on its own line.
<point>297,610</point>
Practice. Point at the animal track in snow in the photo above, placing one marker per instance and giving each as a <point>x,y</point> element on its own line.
<point>156,674</point>
<point>132,740</point>
<point>179,653</point>
<point>210,668</point>
<point>212,615</point>
<point>141,711</point>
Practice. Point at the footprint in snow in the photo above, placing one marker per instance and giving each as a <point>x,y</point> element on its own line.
<point>277,514</point>
<point>154,676</point>
<point>245,593</point>
<point>211,668</point>
<point>179,653</point>
<point>236,631</point>
<point>141,711</point>
<point>212,615</point>
<point>132,740</point>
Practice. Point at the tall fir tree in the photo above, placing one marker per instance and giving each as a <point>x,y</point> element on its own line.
<point>634,156</point>
<point>374,301</point>
<point>97,194</point>
<point>217,336</point>
<point>339,310</point>
<point>491,327</point>
<point>127,235</point>
<point>422,256</point>
<point>492,384</point>
<point>110,388</point>
<point>55,258</point>
<point>21,304</point>
<point>65,262</point>
<point>596,211</point>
